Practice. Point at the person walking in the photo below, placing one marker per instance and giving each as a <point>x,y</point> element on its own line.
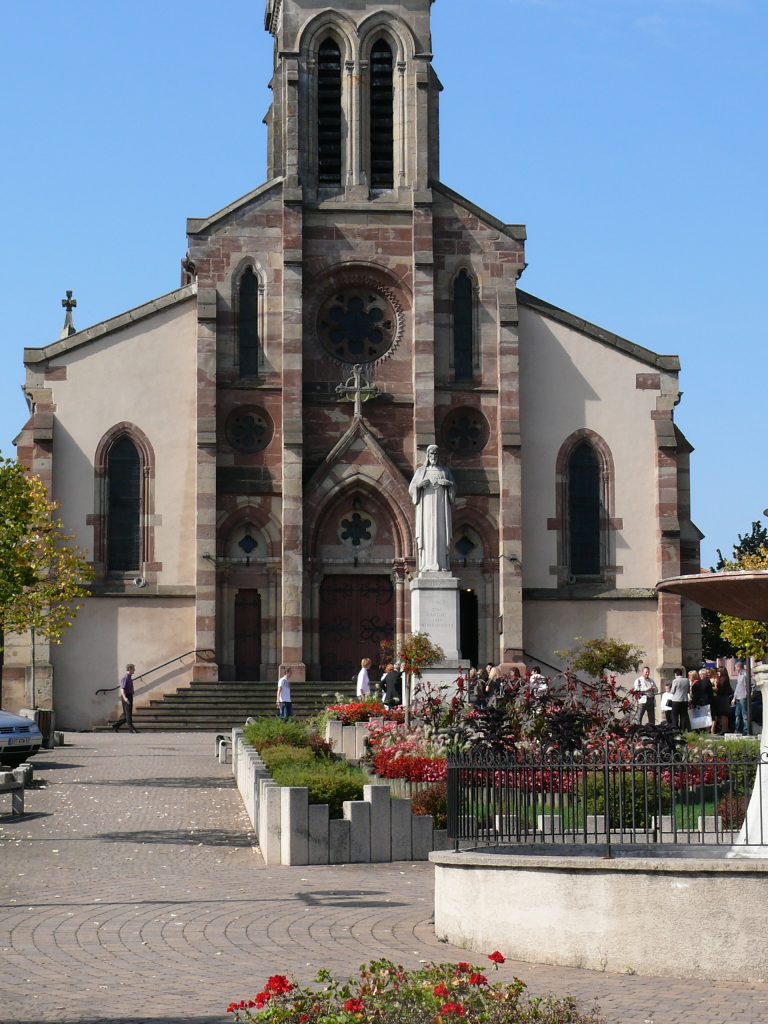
<point>126,700</point>
<point>284,703</point>
<point>645,691</point>
<point>363,688</point>
<point>392,687</point>
<point>740,697</point>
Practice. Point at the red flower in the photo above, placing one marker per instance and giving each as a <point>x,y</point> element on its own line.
<point>496,957</point>
<point>441,991</point>
<point>278,985</point>
<point>452,1010</point>
<point>462,967</point>
<point>261,1000</point>
<point>354,1006</point>
<point>478,979</point>
<point>303,1018</point>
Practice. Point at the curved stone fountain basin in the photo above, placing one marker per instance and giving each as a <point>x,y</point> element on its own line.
<point>670,911</point>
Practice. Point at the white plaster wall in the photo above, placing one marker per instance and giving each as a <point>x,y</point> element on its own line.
<point>144,374</point>
<point>108,633</point>
<point>569,381</point>
<point>550,626</point>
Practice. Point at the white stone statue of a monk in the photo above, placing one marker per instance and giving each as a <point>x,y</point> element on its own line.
<point>432,491</point>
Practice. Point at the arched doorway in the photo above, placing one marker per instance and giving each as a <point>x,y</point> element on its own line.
<point>248,635</point>
<point>357,612</point>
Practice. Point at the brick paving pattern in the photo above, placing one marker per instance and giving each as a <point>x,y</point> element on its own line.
<point>132,893</point>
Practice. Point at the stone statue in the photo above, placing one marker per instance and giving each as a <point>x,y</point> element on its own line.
<point>432,491</point>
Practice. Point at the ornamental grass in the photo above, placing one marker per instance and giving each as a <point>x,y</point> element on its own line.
<point>385,993</point>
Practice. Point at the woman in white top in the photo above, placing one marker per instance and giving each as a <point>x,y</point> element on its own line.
<point>284,703</point>
<point>363,682</point>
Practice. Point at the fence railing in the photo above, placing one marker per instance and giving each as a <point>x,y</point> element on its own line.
<point>609,795</point>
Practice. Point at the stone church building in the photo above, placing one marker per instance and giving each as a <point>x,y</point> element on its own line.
<point>242,488</point>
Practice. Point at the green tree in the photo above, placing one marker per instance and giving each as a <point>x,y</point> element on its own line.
<point>43,574</point>
<point>746,637</point>
<point>601,655</point>
<point>717,642</point>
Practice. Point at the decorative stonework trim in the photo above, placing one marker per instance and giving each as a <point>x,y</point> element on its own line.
<point>56,373</point>
<point>648,382</point>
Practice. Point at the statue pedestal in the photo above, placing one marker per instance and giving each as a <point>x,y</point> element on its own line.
<point>435,610</point>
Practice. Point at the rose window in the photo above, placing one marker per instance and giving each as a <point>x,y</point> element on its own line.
<point>249,430</point>
<point>465,431</point>
<point>357,325</point>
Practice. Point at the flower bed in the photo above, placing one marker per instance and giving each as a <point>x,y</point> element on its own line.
<point>385,993</point>
<point>362,711</point>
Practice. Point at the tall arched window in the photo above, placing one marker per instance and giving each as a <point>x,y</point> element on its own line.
<point>584,510</point>
<point>463,327</point>
<point>329,114</point>
<point>248,324</point>
<point>382,116</point>
<point>123,507</point>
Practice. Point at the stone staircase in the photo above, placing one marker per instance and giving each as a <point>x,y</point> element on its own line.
<point>218,706</point>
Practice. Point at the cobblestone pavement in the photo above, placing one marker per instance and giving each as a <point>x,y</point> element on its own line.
<point>132,893</point>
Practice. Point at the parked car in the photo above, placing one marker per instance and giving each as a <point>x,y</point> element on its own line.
<point>20,738</point>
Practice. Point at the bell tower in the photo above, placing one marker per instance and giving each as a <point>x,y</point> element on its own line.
<point>354,109</point>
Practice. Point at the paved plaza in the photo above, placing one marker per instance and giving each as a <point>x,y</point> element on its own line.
<point>132,892</point>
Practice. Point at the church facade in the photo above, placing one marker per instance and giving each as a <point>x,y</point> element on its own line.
<point>235,455</point>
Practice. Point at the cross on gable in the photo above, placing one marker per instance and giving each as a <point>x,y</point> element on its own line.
<point>69,304</point>
<point>357,389</point>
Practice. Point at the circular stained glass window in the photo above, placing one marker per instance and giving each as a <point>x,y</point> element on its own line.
<point>357,530</point>
<point>466,431</point>
<point>249,430</point>
<point>357,325</point>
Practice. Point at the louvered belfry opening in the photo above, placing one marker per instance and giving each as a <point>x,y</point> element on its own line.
<point>329,114</point>
<point>382,117</point>
<point>248,324</point>
<point>124,507</point>
<point>463,327</point>
<point>584,510</point>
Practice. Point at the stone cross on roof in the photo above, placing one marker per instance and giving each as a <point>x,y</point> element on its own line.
<point>357,389</point>
<point>69,304</point>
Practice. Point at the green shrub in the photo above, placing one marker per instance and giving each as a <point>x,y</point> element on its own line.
<point>280,755</point>
<point>328,782</point>
<point>633,800</point>
<point>270,732</point>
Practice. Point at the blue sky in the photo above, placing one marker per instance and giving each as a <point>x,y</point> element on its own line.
<point>628,135</point>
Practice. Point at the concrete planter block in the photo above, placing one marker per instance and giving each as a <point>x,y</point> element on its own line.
<point>381,823</point>
<point>319,850</point>
<point>440,840</point>
<point>6,778</point>
<point>421,836</point>
<point>400,819</point>
<point>339,841</point>
<point>270,830</point>
<point>361,736</point>
<point>260,825</point>
<point>225,752</point>
<point>595,823</point>
<point>333,734</point>
<point>349,742</point>
<point>358,814</point>
<point>549,823</point>
<point>23,774</point>
<point>506,824</point>
<point>237,748</point>
<point>58,739</point>
<point>711,824</point>
<point>294,825</point>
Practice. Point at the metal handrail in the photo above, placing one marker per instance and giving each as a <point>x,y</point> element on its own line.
<point>206,653</point>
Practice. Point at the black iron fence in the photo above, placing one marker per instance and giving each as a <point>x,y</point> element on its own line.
<point>609,795</point>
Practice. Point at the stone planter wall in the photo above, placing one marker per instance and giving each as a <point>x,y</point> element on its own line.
<point>291,831</point>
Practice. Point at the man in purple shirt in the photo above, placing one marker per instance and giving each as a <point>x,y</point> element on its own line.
<point>126,697</point>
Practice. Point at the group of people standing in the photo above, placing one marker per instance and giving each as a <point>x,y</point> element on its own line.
<point>708,689</point>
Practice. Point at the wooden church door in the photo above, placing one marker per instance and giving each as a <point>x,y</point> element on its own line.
<point>248,634</point>
<point>356,613</point>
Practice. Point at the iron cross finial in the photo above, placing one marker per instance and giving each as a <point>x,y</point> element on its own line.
<point>357,389</point>
<point>69,304</point>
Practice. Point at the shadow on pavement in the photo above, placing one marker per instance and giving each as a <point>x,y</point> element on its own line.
<point>343,898</point>
<point>164,782</point>
<point>176,837</point>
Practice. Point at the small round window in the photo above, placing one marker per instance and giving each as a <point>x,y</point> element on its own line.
<point>357,325</point>
<point>249,430</point>
<point>465,431</point>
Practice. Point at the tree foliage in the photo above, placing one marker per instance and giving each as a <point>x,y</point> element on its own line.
<point>724,636</point>
<point>43,574</point>
<point>418,652</point>
<point>602,655</point>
